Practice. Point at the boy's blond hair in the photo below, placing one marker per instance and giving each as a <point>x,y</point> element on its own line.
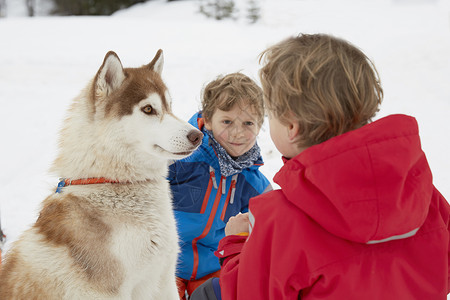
<point>328,85</point>
<point>235,88</point>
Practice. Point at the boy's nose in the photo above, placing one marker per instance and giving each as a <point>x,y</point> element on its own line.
<point>237,131</point>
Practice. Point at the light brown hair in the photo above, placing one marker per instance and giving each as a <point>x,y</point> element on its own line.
<point>226,91</point>
<point>328,85</point>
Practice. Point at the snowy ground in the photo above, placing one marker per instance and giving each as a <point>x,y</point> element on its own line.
<point>45,61</point>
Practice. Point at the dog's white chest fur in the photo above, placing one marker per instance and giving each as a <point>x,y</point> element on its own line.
<point>144,257</point>
<point>146,246</point>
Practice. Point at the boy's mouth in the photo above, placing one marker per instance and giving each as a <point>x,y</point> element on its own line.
<point>237,144</point>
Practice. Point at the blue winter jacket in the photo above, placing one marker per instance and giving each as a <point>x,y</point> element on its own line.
<point>204,201</point>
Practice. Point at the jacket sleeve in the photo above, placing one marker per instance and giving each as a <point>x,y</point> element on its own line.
<point>247,263</point>
<point>228,253</point>
<point>229,247</point>
<point>234,277</point>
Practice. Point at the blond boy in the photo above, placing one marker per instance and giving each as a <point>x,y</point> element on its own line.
<point>357,215</point>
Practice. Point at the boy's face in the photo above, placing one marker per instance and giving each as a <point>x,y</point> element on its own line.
<point>235,130</point>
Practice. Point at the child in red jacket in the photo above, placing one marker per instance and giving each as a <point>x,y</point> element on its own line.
<point>357,216</point>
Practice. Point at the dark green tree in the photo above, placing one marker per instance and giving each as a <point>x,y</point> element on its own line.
<point>91,7</point>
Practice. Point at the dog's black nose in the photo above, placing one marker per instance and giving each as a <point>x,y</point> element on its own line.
<point>195,137</point>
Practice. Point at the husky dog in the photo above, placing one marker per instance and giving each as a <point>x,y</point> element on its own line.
<point>109,232</point>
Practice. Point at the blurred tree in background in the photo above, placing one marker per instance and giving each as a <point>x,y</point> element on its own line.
<point>227,9</point>
<point>253,11</point>
<point>91,7</point>
<point>31,4</point>
<point>218,9</point>
<point>2,8</point>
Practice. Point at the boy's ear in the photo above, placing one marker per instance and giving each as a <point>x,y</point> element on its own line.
<point>293,130</point>
<point>208,124</point>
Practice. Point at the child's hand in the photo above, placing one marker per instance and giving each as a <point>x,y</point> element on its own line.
<point>237,224</point>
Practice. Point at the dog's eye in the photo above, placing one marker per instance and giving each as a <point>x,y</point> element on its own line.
<point>148,109</point>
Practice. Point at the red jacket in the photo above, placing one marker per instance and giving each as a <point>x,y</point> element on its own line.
<point>357,217</point>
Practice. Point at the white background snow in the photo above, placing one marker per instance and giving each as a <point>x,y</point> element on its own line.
<point>45,61</point>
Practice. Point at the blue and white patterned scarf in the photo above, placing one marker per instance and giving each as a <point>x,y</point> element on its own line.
<point>229,166</point>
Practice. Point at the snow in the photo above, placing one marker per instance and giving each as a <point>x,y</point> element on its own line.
<point>46,60</point>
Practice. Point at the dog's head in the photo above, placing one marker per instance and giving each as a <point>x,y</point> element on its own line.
<point>139,101</point>
<point>122,125</point>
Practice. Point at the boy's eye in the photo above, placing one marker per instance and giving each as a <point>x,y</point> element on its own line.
<point>227,122</point>
<point>248,123</point>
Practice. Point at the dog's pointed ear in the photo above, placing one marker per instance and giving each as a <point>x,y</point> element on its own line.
<point>157,63</point>
<point>110,76</point>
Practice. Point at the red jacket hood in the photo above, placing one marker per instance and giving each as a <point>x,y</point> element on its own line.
<point>369,185</point>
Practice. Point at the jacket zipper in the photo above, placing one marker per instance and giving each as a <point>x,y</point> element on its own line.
<point>230,197</point>
<point>212,182</point>
<point>212,175</point>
